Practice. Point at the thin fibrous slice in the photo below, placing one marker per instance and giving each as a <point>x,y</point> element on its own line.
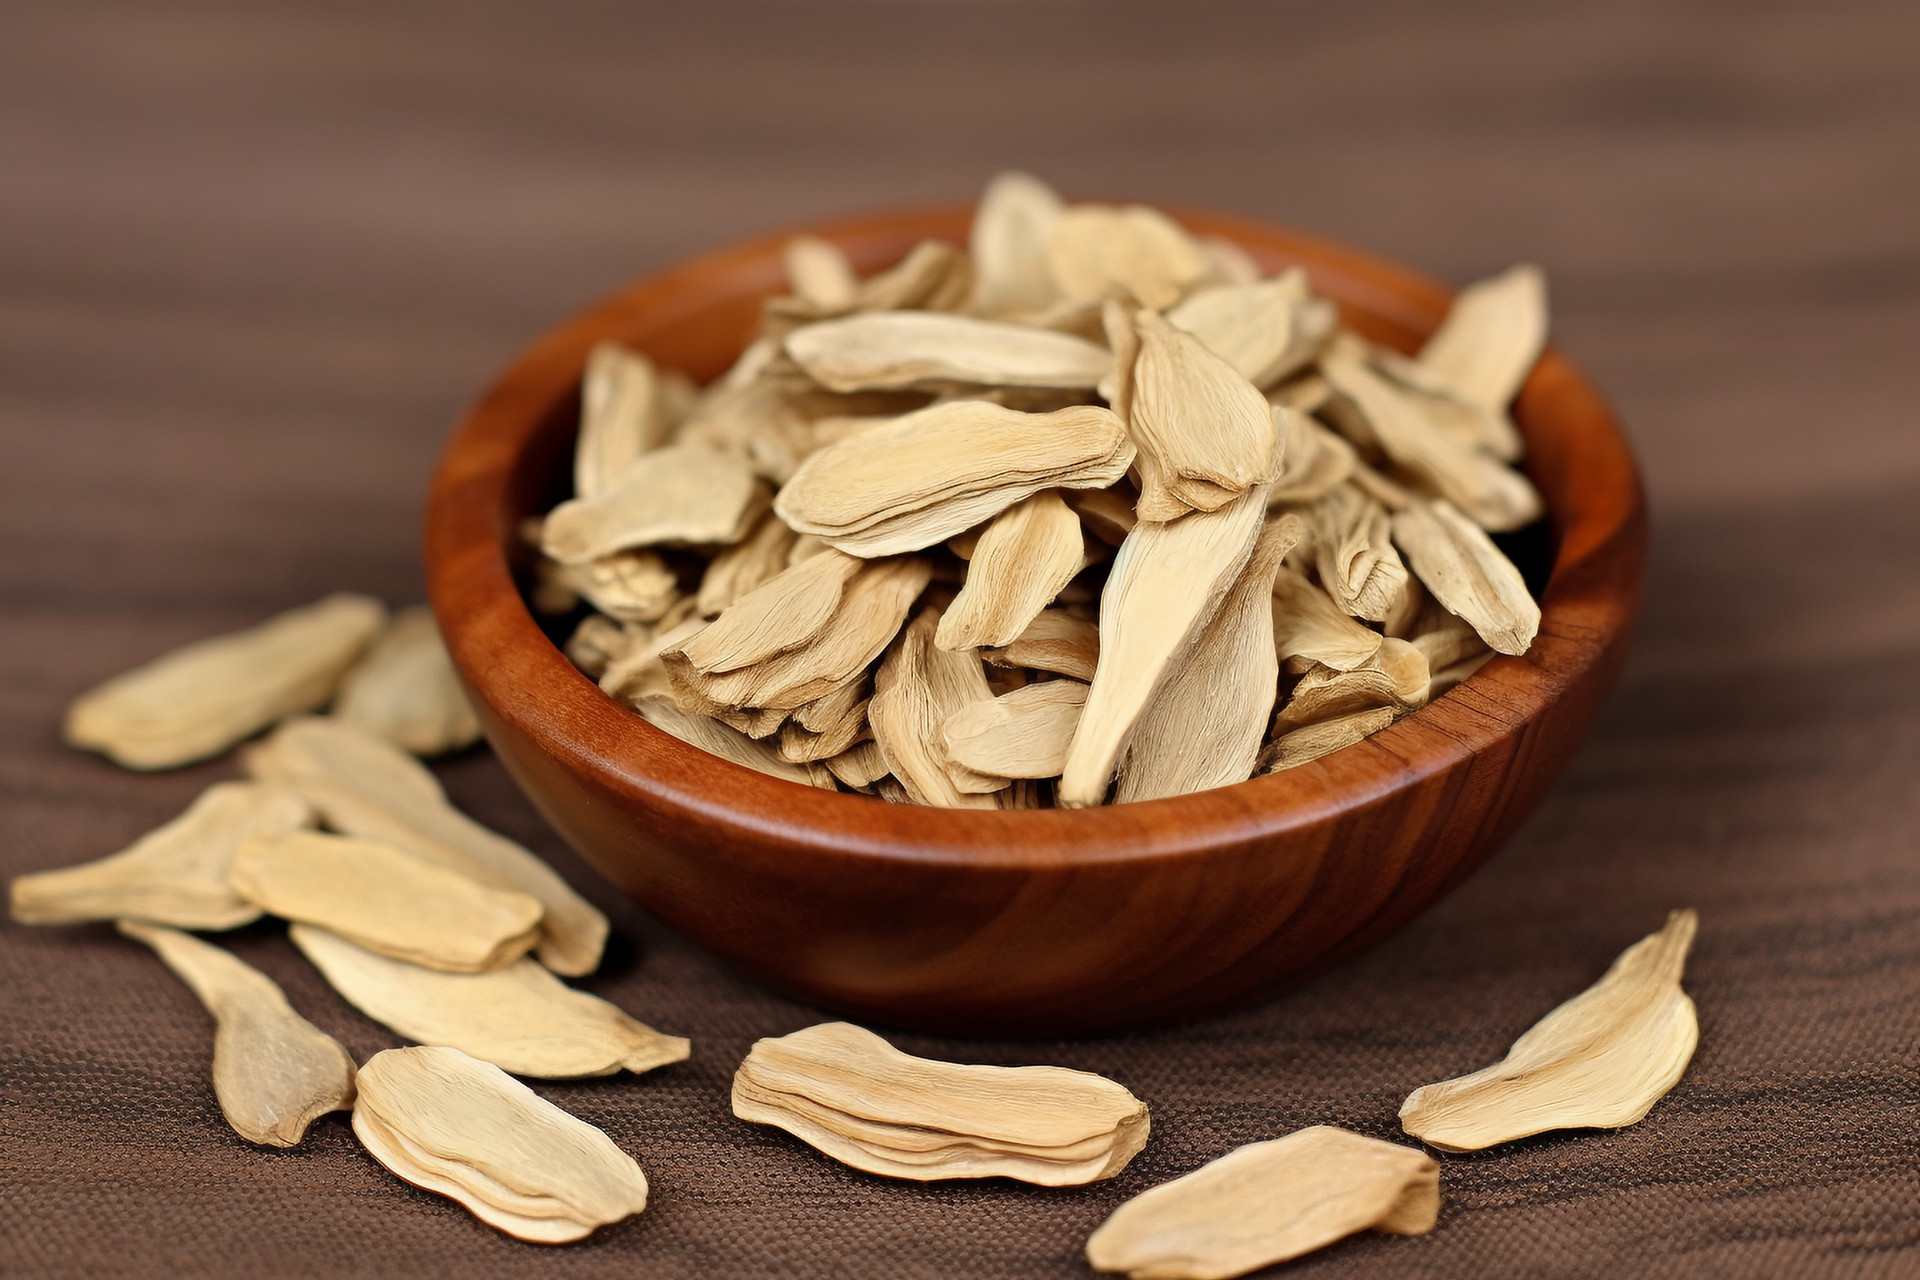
<point>1492,335</point>
<point>860,765</point>
<point>917,688</point>
<point>176,874</point>
<point>677,495</point>
<point>932,474</point>
<point>1204,727</point>
<point>635,585</point>
<point>274,1072</point>
<point>367,787</point>
<point>1096,250</point>
<point>520,1018</point>
<point>627,408</point>
<point>1468,574</point>
<point>406,690</point>
<point>820,274</point>
<point>1107,513</point>
<point>892,350</point>
<point>1310,628</point>
<point>717,739</point>
<point>1012,229</point>
<point>1324,737</point>
<point>745,565</point>
<point>640,671</point>
<point>827,726</point>
<point>598,642</point>
<point>1447,411</point>
<point>387,900</point>
<point>781,614</point>
<point>1354,555</point>
<point>1396,676</point>
<point>1315,460</point>
<point>1599,1061</point>
<point>1267,329</point>
<point>1267,1202</point>
<point>1023,558</point>
<point>1022,734</point>
<point>201,699</point>
<point>1166,583</point>
<point>863,1102</point>
<point>1055,641</point>
<point>467,1130</point>
<point>934,276</point>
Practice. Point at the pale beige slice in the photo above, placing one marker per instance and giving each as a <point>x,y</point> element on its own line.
<point>520,1018</point>
<point>1468,574</point>
<point>1315,461</point>
<point>406,690</point>
<point>819,274</point>
<point>1166,584</point>
<point>717,739</point>
<point>1354,553</point>
<point>387,900</point>
<point>827,726</point>
<point>1096,250</point>
<point>174,875</point>
<point>1055,641</point>
<point>1204,727</point>
<point>598,642</point>
<point>781,614</point>
<point>1022,734</point>
<point>1493,334</point>
<point>840,1068</point>
<point>933,276</point>
<point>859,766</point>
<point>1599,1061</point>
<point>1267,1202</point>
<point>1474,425</point>
<point>1309,627</point>
<point>891,350</point>
<point>274,1073</point>
<point>747,564</point>
<point>201,699</point>
<point>635,585</point>
<point>1107,513</point>
<point>465,1129</point>
<point>1310,742</point>
<point>640,671</point>
<point>1268,330</point>
<point>628,407</point>
<point>364,786</point>
<point>1396,676</point>
<point>679,495</point>
<point>1009,244</point>
<point>917,688</point>
<point>1020,563</point>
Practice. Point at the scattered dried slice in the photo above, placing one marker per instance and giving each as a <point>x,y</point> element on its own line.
<point>1309,627</point>
<point>781,614</point>
<point>467,1130</point>
<point>853,1096</point>
<point>1396,676</point>
<point>598,642</point>
<point>820,274</point>
<point>406,690</point>
<point>1012,230</point>
<point>860,765</point>
<point>1055,641</point>
<point>1316,460</point>
<point>1267,1202</point>
<point>684,493</point>
<point>632,586</point>
<point>827,726</point>
<point>1022,734</point>
<point>717,739</point>
<point>1468,574</point>
<point>746,565</point>
<point>1266,329</point>
<point>520,1018</point>
<point>1096,250</point>
<point>1324,737</point>
<point>274,1072</point>
<point>889,350</point>
<point>1354,555</point>
<point>918,687</point>
<point>175,874</point>
<point>386,900</point>
<point>1022,560</point>
<point>201,699</point>
<point>627,408</point>
<point>1599,1061</point>
<point>1492,335</point>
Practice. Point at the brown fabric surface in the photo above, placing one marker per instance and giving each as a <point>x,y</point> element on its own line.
<point>254,259</point>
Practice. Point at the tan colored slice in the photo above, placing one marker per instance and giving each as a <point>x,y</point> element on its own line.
<point>1493,334</point>
<point>1022,560</point>
<point>1354,554</point>
<point>1267,330</point>
<point>1316,461</point>
<point>1098,250</point>
<point>1012,231</point>
<point>1324,737</point>
<point>1468,574</point>
<point>632,586</point>
<point>1396,676</point>
<point>680,495</point>
<point>1022,734</point>
<point>917,688</point>
<point>819,274</point>
<point>406,690</point>
<point>717,739</point>
<point>859,766</point>
<point>1309,627</point>
<point>628,407</point>
<point>747,564</point>
<point>1055,641</point>
<point>894,350</point>
<point>781,614</point>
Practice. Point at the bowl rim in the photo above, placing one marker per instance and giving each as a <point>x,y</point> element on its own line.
<point>510,665</point>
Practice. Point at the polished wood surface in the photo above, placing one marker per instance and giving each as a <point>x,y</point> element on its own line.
<point>1036,922</point>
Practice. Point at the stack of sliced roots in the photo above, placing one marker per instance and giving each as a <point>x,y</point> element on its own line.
<point>1088,511</point>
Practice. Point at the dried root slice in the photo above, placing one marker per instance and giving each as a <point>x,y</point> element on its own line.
<point>917,688</point>
<point>1324,737</point>
<point>1022,734</point>
<point>1267,1202</point>
<point>1468,574</point>
<point>820,275</point>
<point>201,699</point>
<point>747,564</point>
<point>932,474</point>
<point>627,407</point>
<point>781,614</point>
<point>406,690</point>
<point>1022,560</point>
<point>598,642</point>
<point>631,586</point>
<point>1097,250</point>
<point>897,350</point>
<point>1491,337</point>
<point>274,1072</point>
<point>853,1096</point>
<point>520,1018</point>
<point>1166,584</point>
<point>717,739</point>
<point>174,875</point>
<point>1009,245</point>
<point>1204,727</point>
<point>1266,329</point>
<point>1316,461</point>
<point>1395,677</point>
<point>1599,1061</point>
<point>467,1130</point>
<point>386,900</point>
<point>1354,555</point>
<point>859,766</point>
<point>1308,627</point>
<point>682,494</point>
<point>827,726</point>
<point>1055,641</point>
<point>367,787</point>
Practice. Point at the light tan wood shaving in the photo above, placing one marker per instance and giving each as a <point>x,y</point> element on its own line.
<point>1467,574</point>
<point>1599,1061</point>
<point>1267,1202</point>
<point>1323,737</point>
<point>405,689</point>
<point>274,1072</point>
<point>718,739</point>
<point>1021,734</point>
<point>853,1096</point>
<point>1491,337</point>
<point>682,494</point>
<point>201,699</point>
<point>1024,558</point>
<point>467,1130</point>
<point>919,686</point>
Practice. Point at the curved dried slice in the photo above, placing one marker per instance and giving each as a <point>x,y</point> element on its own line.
<point>1107,513</point>
<point>1599,1061</point>
<point>855,1097</point>
<point>1020,563</point>
<point>754,560</point>
<point>907,349</point>
<point>1396,676</point>
<point>859,766</point>
<point>1446,411</point>
<point>1098,249</point>
<point>175,874</point>
<point>201,699</point>
<point>1267,1202</point>
<point>819,274</point>
<point>406,690</point>
<point>367,787</point>
<point>1315,460</point>
<point>1022,734</point>
<point>717,739</point>
<point>467,1130</point>
<point>274,1072</point>
<point>934,276</point>
<point>1324,737</point>
<point>1266,329</point>
<point>917,688</point>
<point>1012,229</point>
<point>633,586</point>
<point>1204,727</point>
<point>1493,333</point>
<point>386,900</point>
<point>520,1018</point>
<point>1166,583</point>
<point>1354,555</point>
<point>827,726</point>
<point>781,614</point>
<point>1468,574</point>
<point>1309,627</point>
<point>627,407</point>
<point>681,494</point>
<point>1055,641</point>
<point>598,642</point>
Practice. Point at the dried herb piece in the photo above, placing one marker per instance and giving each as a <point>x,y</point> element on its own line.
<point>1468,574</point>
<point>917,688</point>
<point>406,690</point>
<point>1055,641</point>
<point>718,739</point>
<point>632,586</point>
<point>1023,558</point>
<point>1354,555</point>
<point>859,766</point>
<point>1096,250</point>
<point>781,614</point>
<point>1599,1061</point>
<point>747,564</point>
<point>1309,628</point>
<point>1267,330</point>
<point>1395,676</point>
<point>1492,335</point>
<point>274,1072</point>
<point>1012,230</point>
<point>1022,734</point>
<point>628,407</point>
<point>1316,461</point>
<point>1267,1202</point>
<point>893,350</point>
<point>820,274</point>
<point>681,494</point>
<point>1324,737</point>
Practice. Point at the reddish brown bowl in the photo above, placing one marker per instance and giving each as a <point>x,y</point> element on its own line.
<point>1024,922</point>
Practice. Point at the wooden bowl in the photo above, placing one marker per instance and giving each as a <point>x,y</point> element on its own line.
<point>1038,922</point>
